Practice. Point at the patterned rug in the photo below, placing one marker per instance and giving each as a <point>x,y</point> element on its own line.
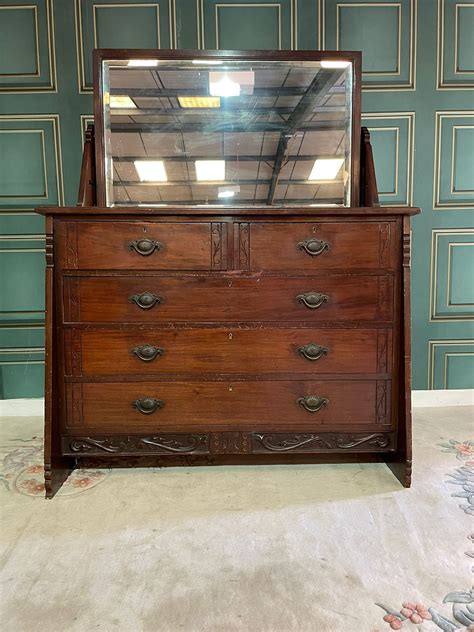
<point>315,548</point>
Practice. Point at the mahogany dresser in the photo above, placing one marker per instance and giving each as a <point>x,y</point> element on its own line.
<point>216,335</point>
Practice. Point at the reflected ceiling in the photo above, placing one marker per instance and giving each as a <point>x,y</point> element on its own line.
<point>234,132</point>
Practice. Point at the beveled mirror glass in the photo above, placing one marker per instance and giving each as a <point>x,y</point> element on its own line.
<point>226,130</point>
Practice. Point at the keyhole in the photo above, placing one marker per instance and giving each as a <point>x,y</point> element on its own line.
<point>144,229</point>
<point>230,388</point>
<point>230,336</point>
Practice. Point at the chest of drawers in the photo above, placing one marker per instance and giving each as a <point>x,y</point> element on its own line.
<point>216,336</point>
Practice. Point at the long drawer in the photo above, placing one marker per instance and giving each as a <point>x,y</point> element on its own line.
<point>224,298</point>
<point>321,245</point>
<point>227,350</point>
<point>122,407</point>
<point>143,245</point>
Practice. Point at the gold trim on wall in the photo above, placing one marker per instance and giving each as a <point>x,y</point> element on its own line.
<point>462,5</point>
<point>219,5</point>
<point>45,195</point>
<point>54,119</point>
<point>435,234</point>
<point>432,345</point>
<point>410,86</point>
<point>453,147</point>
<point>397,147</point>
<point>128,5</point>
<point>50,38</point>
<point>37,60</point>
<point>410,161</point>
<point>441,83</point>
<point>83,88</point>
<point>440,116</point>
<point>451,246</point>
<point>374,73</point>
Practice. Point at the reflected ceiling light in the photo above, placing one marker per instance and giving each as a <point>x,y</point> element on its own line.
<point>151,170</point>
<point>325,168</point>
<point>121,102</point>
<point>224,87</point>
<point>231,84</point>
<point>142,62</point>
<point>326,63</point>
<point>210,170</point>
<point>227,192</point>
<point>208,62</point>
<point>199,102</point>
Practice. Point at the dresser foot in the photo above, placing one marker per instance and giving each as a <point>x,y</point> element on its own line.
<point>54,476</point>
<point>402,471</point>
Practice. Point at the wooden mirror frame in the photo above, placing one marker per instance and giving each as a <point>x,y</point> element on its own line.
<point>104,54</point>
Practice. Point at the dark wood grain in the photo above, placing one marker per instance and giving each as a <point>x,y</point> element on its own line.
<point>56,466</point>
<point>229,298</point>
<point>230,375</point>
<point>224,405</point>
<point>181,246</point>
<point>350,246</point>
<point>401,461</point>
<point>232,350</point>
<point>225,443</point>
<point>87,195</point>
<point>369,194</point>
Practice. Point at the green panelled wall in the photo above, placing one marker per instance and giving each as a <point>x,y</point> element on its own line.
<point>418,103</point>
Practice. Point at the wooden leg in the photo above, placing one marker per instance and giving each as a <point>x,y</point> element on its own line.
<point>400,462</point>
<point>56,467</point>
<point>55,475</point>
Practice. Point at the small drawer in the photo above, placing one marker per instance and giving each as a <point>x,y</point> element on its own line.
<point>320,246</point>
<point>143,245</point>
<point>228,350</point>
<point>185,298</point>
<point>258,405</point>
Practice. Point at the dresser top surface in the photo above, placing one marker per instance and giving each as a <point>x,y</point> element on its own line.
<point>228,211</point>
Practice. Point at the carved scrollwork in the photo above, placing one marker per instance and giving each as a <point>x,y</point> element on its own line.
<point>322,442</point>
<point>156,444</point>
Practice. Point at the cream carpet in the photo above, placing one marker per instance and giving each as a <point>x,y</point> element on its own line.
<point>313,548</point>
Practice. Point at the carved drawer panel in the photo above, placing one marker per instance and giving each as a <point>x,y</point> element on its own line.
<point>194,298</point>
<point>220,444</point>
<point>315,246</point>
<point>143,245</point>
<point>227,350</point>
<point>156,406</point>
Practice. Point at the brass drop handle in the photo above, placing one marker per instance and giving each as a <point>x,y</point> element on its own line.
<point>312,300</point>
<point>147,405</point>
<point>312,351</point>
<point>147,353</point>
<point>146,300</point>
<point>314,247</point>
<point>312,403</point>
<point>144,247</point>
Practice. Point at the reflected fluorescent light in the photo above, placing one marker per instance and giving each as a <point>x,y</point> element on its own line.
<point>334,64</point>
<point>231,84</point>
<point>207,62</point>
<point>199,102</point>
<point>227,192</point>
<point>151,170</point>
<point>142,62</point>
<point>210,170</point>
<point>121,102</point>
<point>225,87</point>
<point>325,168</point>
